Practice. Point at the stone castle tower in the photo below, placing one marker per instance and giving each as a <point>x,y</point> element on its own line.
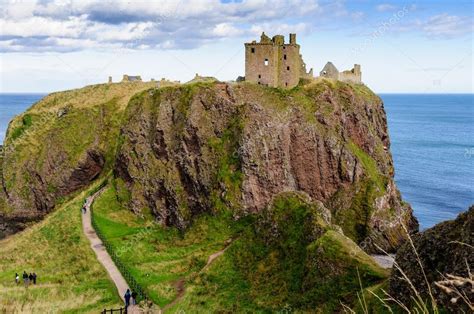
<point>273,63</point>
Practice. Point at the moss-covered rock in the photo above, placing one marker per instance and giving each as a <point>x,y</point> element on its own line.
<point>292,256</point>
<point>429,262</point>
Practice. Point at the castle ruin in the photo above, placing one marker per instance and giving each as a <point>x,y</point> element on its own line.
<point>271,62</point>
<point>131,78</point>
<point>351,76</point>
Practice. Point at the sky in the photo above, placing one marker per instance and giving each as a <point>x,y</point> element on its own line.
<point>402,46</point>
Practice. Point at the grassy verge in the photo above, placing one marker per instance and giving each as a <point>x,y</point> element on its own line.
<point>70,279</point>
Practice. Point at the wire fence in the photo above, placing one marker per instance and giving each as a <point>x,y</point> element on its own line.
<point>133,284</point>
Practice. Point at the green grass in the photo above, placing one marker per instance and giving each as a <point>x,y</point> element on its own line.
<point>158,256</point>
<point>70,279</point>
<point>269,266</point>
<point>370,167</point>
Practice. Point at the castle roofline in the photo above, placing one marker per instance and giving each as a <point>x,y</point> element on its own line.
<point>277,40</point>
<point>271,44</point>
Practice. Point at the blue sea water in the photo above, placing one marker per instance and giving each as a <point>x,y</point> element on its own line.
<point>432,147</point>
<point>432,140</point>
<point>13,104</point>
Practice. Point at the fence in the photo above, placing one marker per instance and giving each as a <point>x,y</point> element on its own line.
<point>132,283</point>
<point>111,311</point>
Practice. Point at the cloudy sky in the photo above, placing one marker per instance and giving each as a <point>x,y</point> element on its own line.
<point>403,46</point>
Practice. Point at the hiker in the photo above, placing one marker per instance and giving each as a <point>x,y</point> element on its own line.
<point>84,209</point>
<point>127,298</point>
<point>17,278</point>
<point>134,297</point>
<point>30,277</point>
<point>34,278</point>
<point>25,279</point>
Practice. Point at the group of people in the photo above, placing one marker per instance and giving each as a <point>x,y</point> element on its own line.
<point>130,296</point>
<point>27,279</point>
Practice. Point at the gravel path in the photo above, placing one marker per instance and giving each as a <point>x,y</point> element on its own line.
<point>102,255</point>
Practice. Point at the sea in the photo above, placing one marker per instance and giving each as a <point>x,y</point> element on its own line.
<point>432,143</point>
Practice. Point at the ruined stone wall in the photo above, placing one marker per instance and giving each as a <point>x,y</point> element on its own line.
<point>256,69</point>
<point>349,76</point>
<point>290,65</point>
<point>281,70</point>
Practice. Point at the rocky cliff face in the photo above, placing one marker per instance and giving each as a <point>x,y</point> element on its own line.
<point>209,147</point>
<point>58,146</point>
<point>444,251</point>
<point>205,147</point>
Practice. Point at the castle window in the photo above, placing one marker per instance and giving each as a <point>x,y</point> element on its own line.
<point>284,57</point>
<point>252,50</point>
<point>286,84</point>
<point>288,68</point>
<point>259,76</point>
<point>265,62</point>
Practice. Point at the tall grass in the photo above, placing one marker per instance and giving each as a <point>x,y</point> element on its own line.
<point>451,285</point>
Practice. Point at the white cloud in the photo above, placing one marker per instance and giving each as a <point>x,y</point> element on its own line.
<point>226,30</point>
<point>37,25</point>
<point>446,26</point>
<point>299,28</point>
<point>386,7</point>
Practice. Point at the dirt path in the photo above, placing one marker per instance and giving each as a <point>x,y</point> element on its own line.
<point>213,257</point>
<point>180,286</point>
<point>101,253</point>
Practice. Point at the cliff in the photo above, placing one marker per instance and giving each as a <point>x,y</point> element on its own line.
<point>57,147</point>
<point>177,152</point>
<point>208,147</point>
<point>444,251</point>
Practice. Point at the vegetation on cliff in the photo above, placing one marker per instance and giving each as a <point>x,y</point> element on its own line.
<point>58,146</point>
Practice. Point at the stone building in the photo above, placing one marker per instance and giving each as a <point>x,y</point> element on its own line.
<point>273,63</point>
<point>130,78</point>
<point>350,76</point>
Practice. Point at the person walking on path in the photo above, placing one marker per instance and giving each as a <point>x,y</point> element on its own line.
<point>34,278</point>
<point>127,298</point>
<point>17,278</point>
<point>25,279</point>
<point>134,298</point>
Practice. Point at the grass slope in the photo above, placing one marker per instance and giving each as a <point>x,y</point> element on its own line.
<point>70,279</point>
<point>159,257</point>
<point>285,258</point>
